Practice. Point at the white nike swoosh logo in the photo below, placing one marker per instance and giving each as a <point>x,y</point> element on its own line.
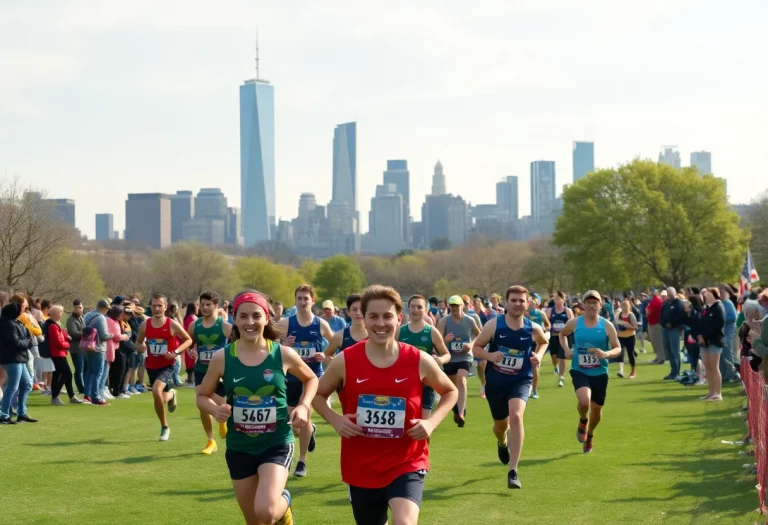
<point>502,336</point>
<point>524,338</point>
<point>362,380</point>
<point>400,380</point>
<point>237,380</point>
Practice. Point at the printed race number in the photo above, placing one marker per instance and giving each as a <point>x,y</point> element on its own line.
<point>457,346</point>
<point>588,360</point>
<point>512,363</point>
<point>205,356</point>
<point>254,414</point>
<point>157,346</point>
<point>307,353</point>
<point>381,416</point>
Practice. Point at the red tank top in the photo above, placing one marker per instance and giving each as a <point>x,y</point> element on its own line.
<point>386,400</point>
<point>160,342</point>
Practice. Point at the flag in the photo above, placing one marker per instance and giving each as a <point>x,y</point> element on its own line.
<point>748,275</point>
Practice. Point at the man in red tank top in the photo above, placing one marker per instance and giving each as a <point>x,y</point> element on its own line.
<point>384,448</point>
<point>158,338</point>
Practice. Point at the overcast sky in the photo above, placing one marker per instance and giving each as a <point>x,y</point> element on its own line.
<point>142,96</point>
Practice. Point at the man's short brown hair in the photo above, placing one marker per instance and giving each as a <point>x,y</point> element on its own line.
<point>375,292</point>
<point>515,289</point>
<point>417,296</point>
<point>304,288</point>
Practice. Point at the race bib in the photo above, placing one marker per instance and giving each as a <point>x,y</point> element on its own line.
<point>558,326</point>
<point>254,414</point>
<point>587,360</point>
<point>204,355</point>
<point>307,352</point>
<point>456,346</point>
<point>512,362</point>
<point>381,416</point>
<point>157,346</point>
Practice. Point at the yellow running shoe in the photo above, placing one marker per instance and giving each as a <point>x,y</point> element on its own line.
<point>210,448</point>
<point>287,518</point>
<point>222,430</point>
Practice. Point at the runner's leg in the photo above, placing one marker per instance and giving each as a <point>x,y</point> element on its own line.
<point>516,431</point>
<point>160,397</point>
<point>404,511</point>
<point>595,415</point>
<point>461,384</point>
<point>269,505</point>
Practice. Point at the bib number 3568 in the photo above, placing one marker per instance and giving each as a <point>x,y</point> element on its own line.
<point>381,416</point>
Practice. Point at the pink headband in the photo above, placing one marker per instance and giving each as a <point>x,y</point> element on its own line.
<point>252,297</point>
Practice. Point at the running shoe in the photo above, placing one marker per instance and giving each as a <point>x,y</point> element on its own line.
<point>100,403</point>
<point>165,434</point>
<point>57,402</point>
<point>287,518</point>
<point>87,400</point>
<point>7,421</point>
<point>312,441</point>
<point>588,446</point>
<point>557,370</point>
<point>513,482</point>
<point>714,399</point>
<point>123,396</point>
<point>47,392</point>
<point>632,375</point>
<point>482,392</point>
<point>560,383</point>
<point>503,452</point>
<point>25,419</point>
<point>222,430</point>
<point>210,448</point>
<point>581,431</point>
<point>460,421</point>
<point>621,375</point>
<point>535,395</point>
<point>172,403</point>
<point>140,388</point>
<point>35,386</point>
<point>301,469</point>
<point>74,400</point>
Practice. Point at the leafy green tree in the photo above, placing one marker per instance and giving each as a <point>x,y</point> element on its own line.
<point>275,280</point>
<point>757,222</point>
<point>651,222</point>
<point>546,268</point>
<point>337,277</point>
<point>308,270</point>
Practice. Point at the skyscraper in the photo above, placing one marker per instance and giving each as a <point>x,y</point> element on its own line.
<point>445,216</point>
<point>63,210</point>
<point>182,210</point>
<point>397,174</point>
<point>257,159</point>
<point>583,159</point>
<point>543,189</point>
<point>670,156</point>
<point>702,161</point>
<point>386,220</point>
<point>507,197</point>
<point>438,180</point>
<point>345,165</point>
<point>210,222</point>
<point>148,219</point>
<point>104,226</point>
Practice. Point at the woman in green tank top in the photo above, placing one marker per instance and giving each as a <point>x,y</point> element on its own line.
<point>259,437</point>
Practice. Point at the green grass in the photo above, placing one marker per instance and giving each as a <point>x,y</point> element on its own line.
<point>657,459</point>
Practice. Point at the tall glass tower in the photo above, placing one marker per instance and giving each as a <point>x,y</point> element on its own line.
<point>257,160</point>
<point>583,159</point>
<point>345,165</point>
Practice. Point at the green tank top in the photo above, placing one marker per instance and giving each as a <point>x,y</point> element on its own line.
<point>257,395</point>
<point>208,340</point>
<point>421,340</point>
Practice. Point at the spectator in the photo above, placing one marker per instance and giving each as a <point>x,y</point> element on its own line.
<point>329,314</point>
<point>759,333</point>
<point>35,364</point>
<point>692,321</point>
<point>58,343</point>
<point>97,363</point>
<point>75,331</point>
<point>485,314</point>
<point>712,340</point>
<point>193,311</point>
<point>752,316</point>
<point>672,319</point>
<point>627,326</point>
<point>727,358</point>
<point>15,343</point>
<point>642,305</point>
<point>136,370</point>
<point>123,356</point>
<point>653,313</point>
<point>496,303</point>
<point>277,306</point>
<point>114,314</point>
<point>3,302</point>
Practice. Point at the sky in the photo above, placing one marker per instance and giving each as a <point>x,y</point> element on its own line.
<point>102,99</point>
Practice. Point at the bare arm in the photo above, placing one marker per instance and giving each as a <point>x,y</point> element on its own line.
<point>613,339</point>
<point>140,346</point>
<point>482,340</point>
<point>333,378</point>
<point>334,343</point>
<point>545,321</point>
<point>542,342</point>
<point>432,376</point>
<point>186,341</point>
<point>442,350</point>
<point>208,388</point>
<point>299,368</point>
<point>567,330</point>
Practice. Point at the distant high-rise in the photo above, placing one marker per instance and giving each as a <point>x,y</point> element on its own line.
<point>507,197</point>
<point>543,189</point>
<point>182,210</point>
<point>583,159</point>
<point>148,219</point>
<point>386,220</point>
<point>234,233</point>
<point>345,165</point>
<point>397,174</point>
<point>63,210</point>
<point>210,202</point>
<point>702,161</point>
<point>438,180</point>
<point>104,226</point>
<point>307,203</point>
<point>670,156</point>
<point>445,216</point>
<point>257,159</point>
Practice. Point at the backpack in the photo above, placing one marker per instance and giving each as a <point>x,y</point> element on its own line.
<point>42,347</point>
<point>90,338</point>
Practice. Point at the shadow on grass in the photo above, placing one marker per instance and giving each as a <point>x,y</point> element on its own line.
<point>130,460</point>
<point>95,441</point>
<point>203,495</point>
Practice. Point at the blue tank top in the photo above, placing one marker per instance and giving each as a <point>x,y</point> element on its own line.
<point>347,340</point>
<point>584,339</point>
<point>558,320</point>
<point>309,341</point>
<point>516,345</point>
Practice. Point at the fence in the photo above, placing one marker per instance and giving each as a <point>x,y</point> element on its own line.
<point>757,416</point>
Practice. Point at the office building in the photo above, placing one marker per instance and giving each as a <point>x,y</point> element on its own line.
<point>670,156</point>
<point>507,197</point>
<point>148,219</point>
<point>182,210</point>
<point>63,210</point>
<point>702,161</point>
<point>398,176</point>
<point>438,180</point>
<point>385,220</point>
<point>205,230</point>
<point>445,216</point>
<point>234,231</point>
<point>257,160</point>
<point>543,189</point>
<point>345,165</point>
<point>583,159</point>
<point>210,202</point>
<point>104,226</point>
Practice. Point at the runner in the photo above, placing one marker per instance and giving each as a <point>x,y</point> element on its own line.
<point>382,391</point>
<point>496,304</point>
<point>485,314</point>
<point>350,335</point>
<point>158,336</point>
<point>305,332</point>
<point>423,336</point>
<point>511,338</point>
<point>458,331</point>
<point>595,341</point>
<point>535,314</point>
<point>210,334</point>
<point>259,440</point>
<point>558,315</point>
<point>627,326</point>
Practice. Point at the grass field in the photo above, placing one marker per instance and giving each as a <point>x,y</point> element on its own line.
<point>657,459</point>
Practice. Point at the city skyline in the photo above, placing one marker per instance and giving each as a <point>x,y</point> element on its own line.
<point>146,94</point>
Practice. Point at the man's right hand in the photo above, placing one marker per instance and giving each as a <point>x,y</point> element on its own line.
<point>345,427</point>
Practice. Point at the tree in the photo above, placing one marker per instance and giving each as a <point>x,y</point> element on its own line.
<point>276,251</point>
<point>546,267</point>
<point>184,271</point>
<point>63,277</point>
<point>308,270</point>
<point>29,233</point>
<point>440,244</point>
<point>124,273</point>
<point>338,277</point>
<point>651,222</point>
<point>274,280</point>
<point>757,222</point>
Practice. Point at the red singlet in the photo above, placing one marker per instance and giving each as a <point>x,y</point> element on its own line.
<point>160,342</point>
<point>386,401</point>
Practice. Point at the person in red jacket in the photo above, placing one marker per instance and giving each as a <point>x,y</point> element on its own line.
<point>653,313</point>
<point>58,346</point>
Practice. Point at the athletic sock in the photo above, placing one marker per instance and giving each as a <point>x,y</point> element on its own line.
<point>583,420</point>
<point>589,437</point>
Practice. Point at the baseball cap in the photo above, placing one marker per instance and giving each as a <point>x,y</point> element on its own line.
<point>328,304</point>
<point>128,309</point>
<point>592,294</point>
<point>103,303</point>
<point>466,298</point>
<point>457,300</point>
<point>663,293</point>
<point>118,300</point>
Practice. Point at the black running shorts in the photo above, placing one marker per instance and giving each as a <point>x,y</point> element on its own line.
<point>369,506</point>
<point>597,384</point>
<point>164,374</point>
<point>451,369</point>
<point>244,465</point>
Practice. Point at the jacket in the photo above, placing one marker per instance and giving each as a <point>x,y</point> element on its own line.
<point>127,347</point>
<point>730,312</point>
<point>115,336</point>
<point>58,341</point>
<point>712,325</point>
<point>95,320</point>
<point>673,313</point>
<point>760,346</point>
<point>75,330</point>
<point>15,339</point>
<point>653,310</point>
